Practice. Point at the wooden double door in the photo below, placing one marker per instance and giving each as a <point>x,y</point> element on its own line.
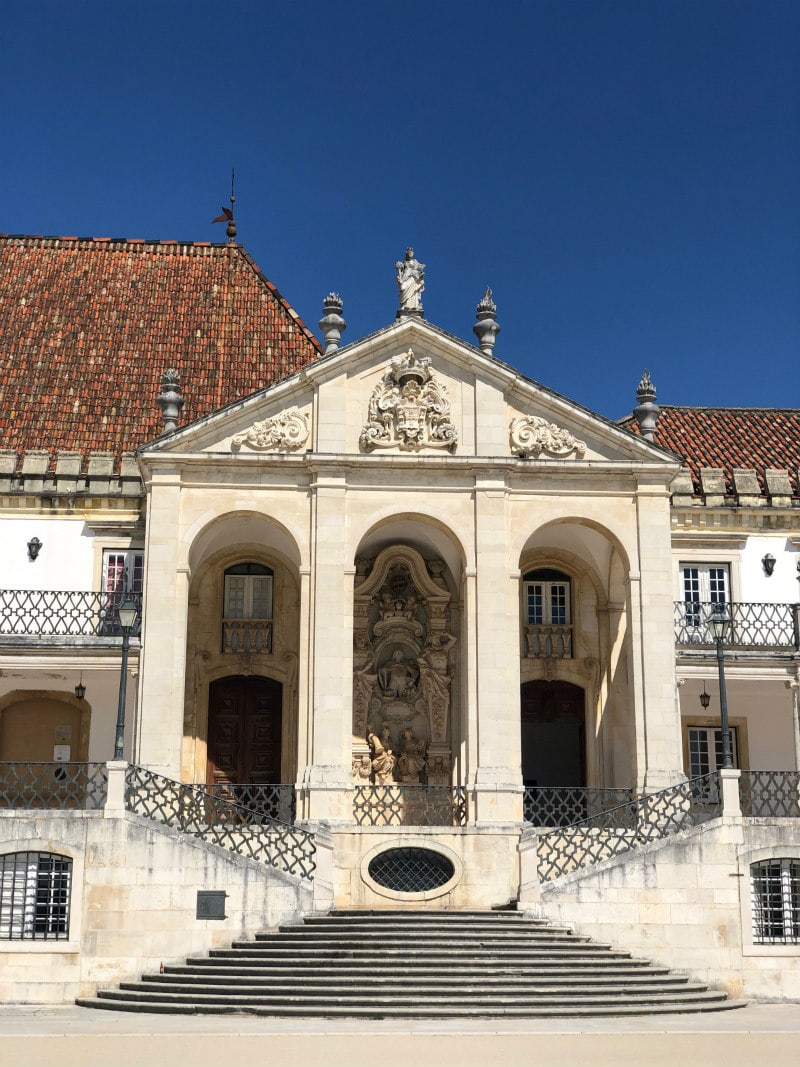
<point>244,731</point>
<point>553,717</point>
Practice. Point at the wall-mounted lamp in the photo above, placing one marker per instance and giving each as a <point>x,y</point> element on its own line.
<point>768,563</point>
<point>80,689</point>
<point>705,698</point>
<point>34,548</point>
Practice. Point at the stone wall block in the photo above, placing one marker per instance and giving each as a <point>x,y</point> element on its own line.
<point>779,487</point>
<point>101,469</point>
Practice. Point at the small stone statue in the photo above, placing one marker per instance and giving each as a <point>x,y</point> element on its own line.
<point>397,678</point>
<point>383,760</point>
<point>411,762</point>
<point>410,281</point>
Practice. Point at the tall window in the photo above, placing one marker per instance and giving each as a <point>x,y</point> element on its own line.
<point>704,584</point>
<point>705,749</point>
<point>35,896</point>
<point>247,609</point>
<point>775,894</point>
<point>547,613</point>
<point>123,573</point>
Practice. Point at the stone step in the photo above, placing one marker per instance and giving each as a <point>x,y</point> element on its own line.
<point>342,987</point>
<point>376,1004</point>
<point>415,965</point>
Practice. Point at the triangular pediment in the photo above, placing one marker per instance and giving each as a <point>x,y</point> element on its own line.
<point>412,390</point>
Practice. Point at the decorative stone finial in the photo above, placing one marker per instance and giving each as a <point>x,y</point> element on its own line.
<point>647,410</point>
<point>410,275</point>
<point>486,329</point>
<point>332,324</point>
<point>170,400</point>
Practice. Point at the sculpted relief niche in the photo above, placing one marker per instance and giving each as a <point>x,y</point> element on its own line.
<point>532,436</point>
<point>285,432</point>
<point>402,670</point>
<point>409,409</point>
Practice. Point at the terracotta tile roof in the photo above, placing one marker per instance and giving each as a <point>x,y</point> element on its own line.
<point>88,326</point>
<point>757,438</point>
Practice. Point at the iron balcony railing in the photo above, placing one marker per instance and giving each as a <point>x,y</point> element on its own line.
<point>550,805</point>
<point>195,810</point>
<point>770,794</point>
<point>410,805</point>
<point>57,613</point>
<point>53,785</point>
<point>753,626</point>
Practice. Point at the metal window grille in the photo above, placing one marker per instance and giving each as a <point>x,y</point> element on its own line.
<point>775,894</point>
<point>35,896</point>
<point>411,870</point>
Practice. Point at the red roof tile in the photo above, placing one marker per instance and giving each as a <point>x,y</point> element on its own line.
<point>88,326</point>
<point>757,438</point>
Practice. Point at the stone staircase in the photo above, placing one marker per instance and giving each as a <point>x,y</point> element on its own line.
<point>415,964</point>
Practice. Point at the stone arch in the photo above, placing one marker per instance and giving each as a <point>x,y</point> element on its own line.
<point>598,565</point>
<point>20,743</point>
<point>213,532</point>
<point>406,635</point>
<point>227,541</point>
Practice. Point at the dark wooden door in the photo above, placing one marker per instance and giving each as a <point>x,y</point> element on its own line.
<point>244,731</point>
<point>553,726</point>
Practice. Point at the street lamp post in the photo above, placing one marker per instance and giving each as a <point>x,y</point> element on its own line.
<point>719,624</point>
<point>128,610</point>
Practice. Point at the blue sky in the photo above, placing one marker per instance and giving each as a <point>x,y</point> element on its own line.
<point>624,175</point>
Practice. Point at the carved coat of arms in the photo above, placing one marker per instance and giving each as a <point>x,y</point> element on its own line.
<point>409,409</point>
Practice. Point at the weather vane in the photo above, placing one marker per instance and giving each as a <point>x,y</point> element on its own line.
<point>227,213</point>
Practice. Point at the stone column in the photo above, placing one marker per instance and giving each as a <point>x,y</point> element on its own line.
<point>163,663</point>
<point>659,754</point>
<point>498,777</point>
<point>330,660</point>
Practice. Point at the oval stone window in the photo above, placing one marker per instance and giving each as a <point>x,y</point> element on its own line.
<point>411,870</point>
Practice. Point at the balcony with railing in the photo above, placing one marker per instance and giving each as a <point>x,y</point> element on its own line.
<point>247,635</point>
<point>754,627</point>
<point>60,616</point>
<point>548,641</point>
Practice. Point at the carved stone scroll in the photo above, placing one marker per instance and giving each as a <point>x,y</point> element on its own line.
<point>409,409</point>
<point>534,436</point>
<point>285,432</point>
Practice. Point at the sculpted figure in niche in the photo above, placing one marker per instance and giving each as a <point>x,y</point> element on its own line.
<point>434,663</point>
<point>410,281</point>
<point>398,676</point>
<point>383,760</point>
<point>411,762</point>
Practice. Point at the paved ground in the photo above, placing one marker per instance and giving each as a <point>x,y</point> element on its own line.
<point>82,1037</point>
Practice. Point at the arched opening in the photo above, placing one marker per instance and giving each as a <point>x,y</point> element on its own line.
<point>244,731</point>
<point>553,729</point>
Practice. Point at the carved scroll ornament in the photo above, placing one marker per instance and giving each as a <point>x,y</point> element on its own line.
<point>409,409</point>
<point>285,432</point>
<point>534,436</point>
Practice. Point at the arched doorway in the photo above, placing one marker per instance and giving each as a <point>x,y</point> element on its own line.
<point>244,731</point>
<point>553,716</point>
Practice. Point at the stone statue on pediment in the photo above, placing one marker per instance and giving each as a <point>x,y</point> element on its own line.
<point>410,275</point>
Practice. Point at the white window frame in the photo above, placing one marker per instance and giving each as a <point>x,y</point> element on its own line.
<point>713,752</point>
<point>703,583</point>
<point>555,597</point>
<point>131,570</point>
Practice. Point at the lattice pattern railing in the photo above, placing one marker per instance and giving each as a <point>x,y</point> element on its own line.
<point>753,625</point>
<point>770,794</point>
<point>53,785</point>
<point>49,613</point>
<point>548,641</point>
<point>548,805</point>
<point>410,805</point>
<point>275,801</point>
<point>628,826</point>
<point>196,811</point>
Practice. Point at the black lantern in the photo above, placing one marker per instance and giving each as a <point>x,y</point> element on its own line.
<point>768,563</point>
<point>34,548</point>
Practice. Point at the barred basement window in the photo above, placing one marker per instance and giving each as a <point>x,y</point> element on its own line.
<point>34,896</point>
<point>775,890</point>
